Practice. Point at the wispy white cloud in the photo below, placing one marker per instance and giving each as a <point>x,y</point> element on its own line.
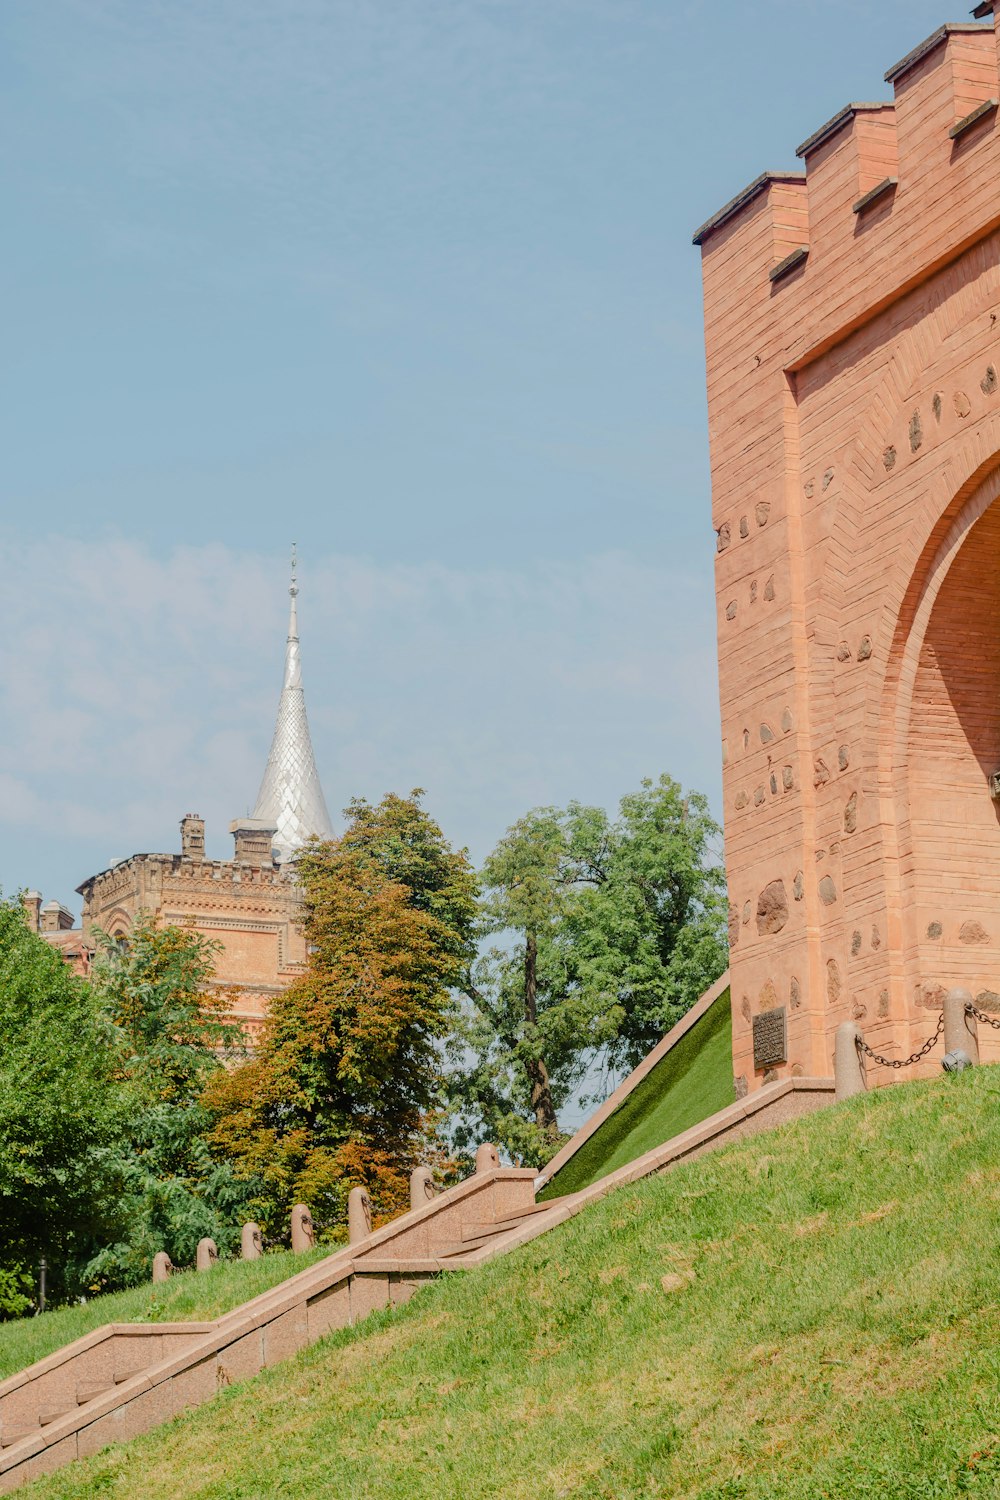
<point>134,688</point>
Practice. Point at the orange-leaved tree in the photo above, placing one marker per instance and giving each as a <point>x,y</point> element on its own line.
<point>346,1080</point>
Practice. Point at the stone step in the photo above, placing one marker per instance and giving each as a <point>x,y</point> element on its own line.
<point>501,1226</point>
<point>11,1435</point>
<point>90,1392</point>
<point>127,1373</point>
<point>50,1414</point>
<point>462,1247</point>
<point>483,1230</point>
<point>524,1213</point>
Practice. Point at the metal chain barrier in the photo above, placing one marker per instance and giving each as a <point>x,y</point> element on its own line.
<point>980,1015</point>
<point>907,1062</point>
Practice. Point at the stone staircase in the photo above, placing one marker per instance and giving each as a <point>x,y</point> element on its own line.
<point>87,1376</point>
<point>123,1379</point>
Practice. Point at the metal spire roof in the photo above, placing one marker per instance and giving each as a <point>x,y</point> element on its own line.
<point>290,797</point>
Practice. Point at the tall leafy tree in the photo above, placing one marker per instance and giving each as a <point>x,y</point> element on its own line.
<point>170,1037</point>
<point>598,935</point>
<point>61,1112</point>
<point>347,1077</point>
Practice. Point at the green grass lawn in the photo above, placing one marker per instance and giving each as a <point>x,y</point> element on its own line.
<point>188,1297</point>
<point>692,1081</point>
<point>813,1313</point>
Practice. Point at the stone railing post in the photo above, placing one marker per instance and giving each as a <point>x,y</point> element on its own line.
<point>251,1242</point>
<point>487,1157</point>
<point>421,1187</point>
<point>848,1062</point>
<point>303,1232</point>
<point>359,1215</point>
<point>207,1255</point>
<point>960,1032</point>
<point>162,1266</point>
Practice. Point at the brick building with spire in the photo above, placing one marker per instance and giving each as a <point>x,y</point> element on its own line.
<point>249,904</point>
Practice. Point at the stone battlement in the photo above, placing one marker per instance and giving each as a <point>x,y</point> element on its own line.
<point>890,192</point>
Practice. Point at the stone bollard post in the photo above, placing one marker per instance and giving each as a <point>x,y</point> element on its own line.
<point>303,1233</point>
<point>848,1062</point>
<point>251,1242</point>
<point>162,1266</point>
<point>359,1215</point>
<point>487,1157</point>
<point>207,1255</point>
<point>421,1187</point>
<point>960,1032</point>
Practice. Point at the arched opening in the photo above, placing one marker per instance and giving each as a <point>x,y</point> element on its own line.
<point>118,926</point>
<point>952,746</point>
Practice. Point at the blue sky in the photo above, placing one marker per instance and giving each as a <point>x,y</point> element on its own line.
<point>410,284</point>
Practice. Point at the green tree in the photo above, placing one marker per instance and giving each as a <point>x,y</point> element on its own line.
<point>170,1038</point>
<point>60,1115</point>
<point>605,932</point>
<point>347,1077</point>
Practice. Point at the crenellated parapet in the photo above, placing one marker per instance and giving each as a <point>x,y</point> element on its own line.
<point>890,190</point>
<point>852,327</point>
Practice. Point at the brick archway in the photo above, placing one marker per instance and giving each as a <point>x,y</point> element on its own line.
<point>941,742</point>
<point>118,923</point>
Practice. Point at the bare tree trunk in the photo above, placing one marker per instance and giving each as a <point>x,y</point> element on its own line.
<point>538,1073</point>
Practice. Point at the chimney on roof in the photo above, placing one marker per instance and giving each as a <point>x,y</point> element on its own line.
<point>192,837</point>
<point>32,903</point>
<point>253,841</point>
<point>56,917</point>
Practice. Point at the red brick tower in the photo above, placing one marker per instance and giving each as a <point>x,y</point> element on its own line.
<point>852,324</point>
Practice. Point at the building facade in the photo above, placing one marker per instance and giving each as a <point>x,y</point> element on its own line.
<point>852,318</point>
<point>249,905</point>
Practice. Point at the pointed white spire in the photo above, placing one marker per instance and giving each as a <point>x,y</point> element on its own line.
<point>290,797</point>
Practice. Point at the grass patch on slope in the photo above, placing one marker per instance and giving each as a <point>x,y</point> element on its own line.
<point>692,1081</point>
<point>188,1297</point>
<point>813,1313</point>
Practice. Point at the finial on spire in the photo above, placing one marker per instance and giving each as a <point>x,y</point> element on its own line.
<point>290,797</point>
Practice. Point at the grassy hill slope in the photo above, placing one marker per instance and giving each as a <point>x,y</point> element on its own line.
<point>188,1297</point>
<point>692,1081</point>
<point>815,1313</point>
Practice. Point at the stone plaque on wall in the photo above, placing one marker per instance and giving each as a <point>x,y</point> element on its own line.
<point>770,1038</point>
